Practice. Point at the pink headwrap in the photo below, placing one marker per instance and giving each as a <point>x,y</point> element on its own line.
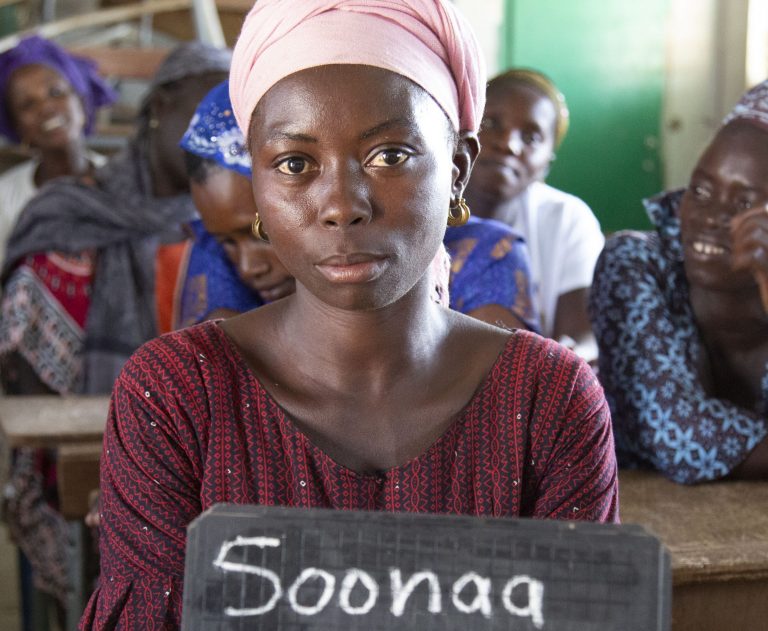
<point>427,41</point>
<point>752,107</point>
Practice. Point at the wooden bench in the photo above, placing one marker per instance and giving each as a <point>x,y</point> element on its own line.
<point>717,535</point>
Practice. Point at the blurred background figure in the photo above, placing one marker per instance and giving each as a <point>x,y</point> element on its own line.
<point>80,272</point>
<point>491,274</point>
<point>88,277</point>
<point>681,315</point>
<point>525,120</point>
<point>49,103</point>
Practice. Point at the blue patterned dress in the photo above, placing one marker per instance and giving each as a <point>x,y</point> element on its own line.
<point>650,348</point>
<point>210,282</point>
<point>490,265</point>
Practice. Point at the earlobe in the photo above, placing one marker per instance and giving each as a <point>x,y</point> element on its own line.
<point>467,150</point>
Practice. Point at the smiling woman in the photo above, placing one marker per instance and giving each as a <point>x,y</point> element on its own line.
<point>681,315</point>
<point>49,103</point>
<point>358,391</point>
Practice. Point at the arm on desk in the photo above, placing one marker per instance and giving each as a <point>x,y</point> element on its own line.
<point>662,413</point>
<point>755,467</point>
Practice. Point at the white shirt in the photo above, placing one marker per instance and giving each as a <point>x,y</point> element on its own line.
<point>564,240</point>
<point>17,187</point>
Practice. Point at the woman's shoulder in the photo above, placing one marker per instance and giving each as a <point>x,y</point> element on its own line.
<point>531,350</point>
<point>482,230</point>
<point>21,169</point>
<point>515,350</point>
<point>537,376</point>
<point>633,248</point>
<point>173,355</point>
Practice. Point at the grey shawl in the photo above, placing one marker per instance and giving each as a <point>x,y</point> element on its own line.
<point>124,223</point>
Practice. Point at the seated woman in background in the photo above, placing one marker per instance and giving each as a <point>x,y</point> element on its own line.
<point>489,274</point>
<point>79,275</point>
<point>525,120</point>
<point>79,292</point>
<point>357,391</point>
<point>49,104</point>
<point>678,315</point>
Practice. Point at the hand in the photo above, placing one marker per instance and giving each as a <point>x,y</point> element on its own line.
<point>749,235</point>
<point>93,519</point>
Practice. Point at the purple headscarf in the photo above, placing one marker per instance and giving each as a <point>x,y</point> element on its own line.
<point>80,72</point>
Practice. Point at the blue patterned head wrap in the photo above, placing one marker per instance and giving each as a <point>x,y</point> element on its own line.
<point>81,73</point>
<point>213,133</point>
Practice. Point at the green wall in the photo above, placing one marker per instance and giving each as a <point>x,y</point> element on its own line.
<point>607,57</point>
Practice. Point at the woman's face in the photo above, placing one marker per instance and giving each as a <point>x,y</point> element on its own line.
<point>730,178</point>
<point>227,209</point>
<point>46,110</point>
<point>517,139</point>
<point>354,168</point>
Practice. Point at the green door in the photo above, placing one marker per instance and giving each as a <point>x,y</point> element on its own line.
<point>607,56</point>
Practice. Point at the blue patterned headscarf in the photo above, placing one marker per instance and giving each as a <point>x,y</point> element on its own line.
<point>213,133</point>
<point>81,73</point>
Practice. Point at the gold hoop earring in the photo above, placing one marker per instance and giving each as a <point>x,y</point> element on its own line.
<point>154,123</point>
<point>257,228</point>
<point>459,213</point>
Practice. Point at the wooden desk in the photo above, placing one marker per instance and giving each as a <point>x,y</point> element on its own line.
<point>717,535</point>
<point>50,421</point>
<point>74,427</point>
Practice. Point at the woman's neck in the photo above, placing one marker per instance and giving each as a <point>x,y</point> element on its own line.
<point>362,350</point>
<point>71,160</point>
<point>489,206</point>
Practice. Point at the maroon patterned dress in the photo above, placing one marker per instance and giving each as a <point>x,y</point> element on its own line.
<point>190,426</point>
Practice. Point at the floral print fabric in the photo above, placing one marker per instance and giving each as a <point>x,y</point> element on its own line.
<point>650,351</point>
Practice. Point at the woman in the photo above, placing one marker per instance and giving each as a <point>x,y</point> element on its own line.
<point>678,315</point>
<point>525,121</point>
<point>80,275</point>
<point>358,391</point>
<point>79,293</point>
<point>489,273</point>
<point>49,105</point>
<point>228,269</point>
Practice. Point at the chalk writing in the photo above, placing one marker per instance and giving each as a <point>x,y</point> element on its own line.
<point>479,588</point>
<point>278,568</point>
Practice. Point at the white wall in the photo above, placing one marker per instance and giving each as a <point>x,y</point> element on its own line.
<point>486,17</point>
<point>705,76</point>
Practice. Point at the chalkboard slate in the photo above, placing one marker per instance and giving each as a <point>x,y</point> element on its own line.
<point>289,569</point>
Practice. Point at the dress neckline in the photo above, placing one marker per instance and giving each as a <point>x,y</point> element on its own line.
<point>460,420</point>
